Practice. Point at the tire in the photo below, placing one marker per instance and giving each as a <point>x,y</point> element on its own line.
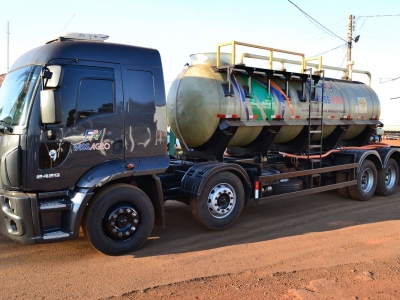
<point>388,178</point>
<point>366,182</point>
<point>119,219</point>
<point>220,203</point>
<point>344,191</point>
<point>290,186</point>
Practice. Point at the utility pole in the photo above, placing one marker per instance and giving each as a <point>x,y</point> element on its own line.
<point>350,63</point>
<point>8,47</point>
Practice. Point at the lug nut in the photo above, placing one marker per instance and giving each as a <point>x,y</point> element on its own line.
<point>112,223</point>
<point>114,230</point>
<point>133,228</point>
<point>135,221</point>
<point>115,216</point>
<point>121,210</point>
<point>119,233</point>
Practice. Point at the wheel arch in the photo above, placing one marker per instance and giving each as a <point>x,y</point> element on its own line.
<point>387,153</point>
<point>196,177</point>
<point>362,155</point>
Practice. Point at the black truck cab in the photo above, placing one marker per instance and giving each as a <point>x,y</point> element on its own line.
<point>76,114</point>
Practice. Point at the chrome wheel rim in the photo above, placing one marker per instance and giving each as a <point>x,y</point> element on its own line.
<point>221,200</point>
<point>390,177</point>
<point>367,180</point>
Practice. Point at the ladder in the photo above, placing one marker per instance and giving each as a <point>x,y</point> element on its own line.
<point>315,122</point>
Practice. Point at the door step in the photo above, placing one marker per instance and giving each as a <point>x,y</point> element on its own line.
<point>55,235</point>
<point>54,205</point>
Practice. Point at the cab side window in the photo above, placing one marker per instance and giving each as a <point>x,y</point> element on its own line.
<point>95,97</point>
<point>86,91</point>
<point>140,92</point>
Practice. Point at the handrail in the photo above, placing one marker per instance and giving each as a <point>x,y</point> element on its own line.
<point>295,62</point>
<point>319,58</point>
<point>271,50</point>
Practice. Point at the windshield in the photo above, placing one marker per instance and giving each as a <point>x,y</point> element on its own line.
<point>15,93</point>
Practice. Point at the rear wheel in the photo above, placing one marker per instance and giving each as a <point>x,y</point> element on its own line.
<point>221,201</point>
<point>388,178</point>
<point>119,219</point>
<point>344,191</point>
<point>366,182</point>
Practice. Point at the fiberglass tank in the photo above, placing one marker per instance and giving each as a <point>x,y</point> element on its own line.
<point>196,97</point>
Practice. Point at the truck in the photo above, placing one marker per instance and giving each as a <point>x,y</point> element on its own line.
<point>83,140</point>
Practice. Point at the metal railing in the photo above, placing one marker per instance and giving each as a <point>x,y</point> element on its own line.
<point>233,44</point>
<point>295,62</point>
<point>304,63</point>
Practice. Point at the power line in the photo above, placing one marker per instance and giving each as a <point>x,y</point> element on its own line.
<point>389,80</point>
<point>312,20</point>
<point>330,50</point>
<point>375,16</point>
<point>398,15</point>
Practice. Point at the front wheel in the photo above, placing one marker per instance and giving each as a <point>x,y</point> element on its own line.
<point>366,182</point>
<point>119,219</point>
<point>388,178</point>
<point>220,203</point>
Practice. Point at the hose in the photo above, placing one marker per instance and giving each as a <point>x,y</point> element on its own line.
<point>372,146</point>
<point>284,95</point>
<point>284,154</point>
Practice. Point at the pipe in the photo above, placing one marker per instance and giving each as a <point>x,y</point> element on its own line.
<point>309,157</point>
<point>284,95</point>
<point>372,146</point>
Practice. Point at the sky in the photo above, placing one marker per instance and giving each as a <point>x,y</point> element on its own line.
<point>179,28</point>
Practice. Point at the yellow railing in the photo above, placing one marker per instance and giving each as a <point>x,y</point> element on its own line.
<point>233,44</point>
<point>319,58</point>
<point>303,63</point>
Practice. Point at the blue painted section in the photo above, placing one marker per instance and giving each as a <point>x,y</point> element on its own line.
<point>241,94</point>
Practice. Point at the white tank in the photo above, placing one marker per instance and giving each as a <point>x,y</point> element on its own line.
<point>196,97</point>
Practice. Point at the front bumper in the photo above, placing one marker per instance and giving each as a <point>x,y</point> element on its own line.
<point>16,216</point>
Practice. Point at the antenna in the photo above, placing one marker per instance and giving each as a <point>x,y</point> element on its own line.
<point>67,24</point>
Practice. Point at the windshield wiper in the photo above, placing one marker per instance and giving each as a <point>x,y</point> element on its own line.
<point>6,126</point>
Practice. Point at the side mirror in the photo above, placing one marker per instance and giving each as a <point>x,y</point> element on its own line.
<point>50,107</point>
<point>52,74</point>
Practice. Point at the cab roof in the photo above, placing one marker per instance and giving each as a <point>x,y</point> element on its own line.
<point>91,51</point>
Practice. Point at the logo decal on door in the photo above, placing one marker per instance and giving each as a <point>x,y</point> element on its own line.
<point>92,134</point>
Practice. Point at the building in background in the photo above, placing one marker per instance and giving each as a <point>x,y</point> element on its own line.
<point>2,76</point>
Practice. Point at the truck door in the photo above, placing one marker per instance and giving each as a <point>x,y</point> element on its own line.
<point>91,130</point>
<point>145,116</point>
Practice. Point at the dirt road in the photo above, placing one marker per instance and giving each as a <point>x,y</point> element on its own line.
<point>301,248</point>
